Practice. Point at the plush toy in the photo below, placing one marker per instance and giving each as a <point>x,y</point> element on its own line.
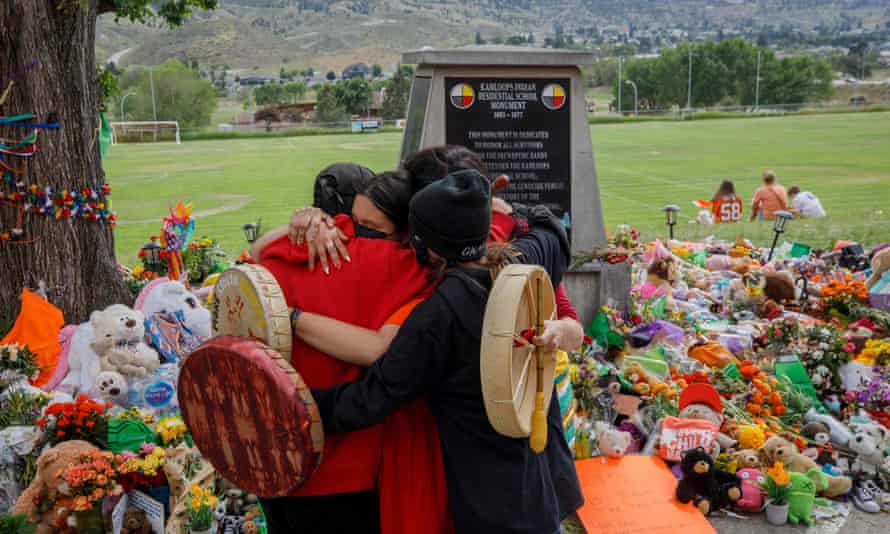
<point>219,515</point>
<point>234,499</point>
<point>610,442</point>
<point>880,263</point>
<point>249,527</point>
<point>708,488</point>
<point>802,495</point>
<point>662,273</point>
<point>820,448</point>
<point>171,297</point>
<point>39,499</point>
<point>748,459</point>
<point>780,449</point>
<point>83,362</point>
<point>112,387</point>
<point>135,522</point>
<point>751,500</point>
<point>780,287</point>
<point>119,341</point>
<point>702,401</point>
<point>869,444</point>
<point>855,374</point>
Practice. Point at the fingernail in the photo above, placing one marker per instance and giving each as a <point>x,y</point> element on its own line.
<point>348,259</point>
<point>326,270</point>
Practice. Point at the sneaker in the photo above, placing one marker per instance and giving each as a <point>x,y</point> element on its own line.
<point>864,497</point>
<point>881,497</point>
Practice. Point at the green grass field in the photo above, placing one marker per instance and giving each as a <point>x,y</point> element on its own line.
<point>844,159</point>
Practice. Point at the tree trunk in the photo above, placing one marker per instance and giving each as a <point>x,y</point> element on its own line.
<point>73,257</point>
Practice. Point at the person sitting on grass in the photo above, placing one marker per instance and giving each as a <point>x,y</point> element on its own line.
<point>769,198</point>
<point>726,204</point>
<point>805,204</point>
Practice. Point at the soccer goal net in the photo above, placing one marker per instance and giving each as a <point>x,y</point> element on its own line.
<point>144,132</point>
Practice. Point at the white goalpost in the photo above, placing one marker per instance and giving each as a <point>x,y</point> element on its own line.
<point>137,131</point>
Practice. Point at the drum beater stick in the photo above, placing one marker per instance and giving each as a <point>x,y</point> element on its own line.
<point>538,438</point>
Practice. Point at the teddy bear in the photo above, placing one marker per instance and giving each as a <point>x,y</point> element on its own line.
<point>38,501</point>
<point>172,297</point>
<point>111,386</point>
<point>662,273</point>
<point>855,374</point>
<point>708,488</point>
<point>748,459</point>
<point>820,449</point>
<point>869,444</point>
<point>610,442</point>
<point>135,522</point>
<point>880,263</point>
<point>249,527</point>
<point>751,500</point>
<point>780,287</point>
<point>119,341</point>
<point>780,449</point>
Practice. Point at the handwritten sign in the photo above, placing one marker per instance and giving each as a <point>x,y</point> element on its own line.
<point>634,495</point>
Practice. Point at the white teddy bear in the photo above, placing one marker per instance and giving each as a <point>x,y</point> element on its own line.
<point>612,442</point>
<point>112,386</point>
<point>172,297</point>
<point>119,341</point>
<point>869,442</point>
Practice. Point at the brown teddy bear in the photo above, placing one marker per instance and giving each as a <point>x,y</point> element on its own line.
<point>780,287</point>
<point>880,262</point>
<point>39,498</point>
<point>780,449</point>
<point>748,458</point>
<point>135,523</point>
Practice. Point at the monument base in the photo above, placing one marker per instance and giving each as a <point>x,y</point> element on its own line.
<point>592,285</point>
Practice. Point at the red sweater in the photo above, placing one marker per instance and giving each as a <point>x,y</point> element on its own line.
<point>381,277</point>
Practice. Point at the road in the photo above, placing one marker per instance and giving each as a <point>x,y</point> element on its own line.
<point>857,523</point>
<point>116,57</point>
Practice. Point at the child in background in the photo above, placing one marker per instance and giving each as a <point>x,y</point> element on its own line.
<point>726,204</point>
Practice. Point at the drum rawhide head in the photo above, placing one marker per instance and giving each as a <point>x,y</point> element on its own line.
<point>248,302</point>
<point>251,415</point>
<point>507,361</point>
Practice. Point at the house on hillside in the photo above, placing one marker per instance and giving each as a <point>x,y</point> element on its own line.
<point>255,80</point>
<point>356,70</point>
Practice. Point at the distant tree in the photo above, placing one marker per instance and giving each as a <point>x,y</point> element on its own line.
<point>296,91</point>
<point>479,40</point>
<point>270,93</point>
<point>194,65</point>
<point>516,40</point>
<point>376,71</point>
<point>531,38</point>
<point>331,75</point>
<point>354,95</point>
<point>310,72</point>
<point>408,71</point>
<point>395,103</point>
<point>180,94</point>
<point>328,109</point>
<point>282,74</point>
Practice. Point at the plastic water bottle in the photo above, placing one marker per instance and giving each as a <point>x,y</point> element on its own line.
<point>156,391</point>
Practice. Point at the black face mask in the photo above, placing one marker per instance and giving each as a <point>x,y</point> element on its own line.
<point>364,231</point>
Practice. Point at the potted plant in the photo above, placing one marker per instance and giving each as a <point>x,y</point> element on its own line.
<point>200,504</point>
<point>776,486</point>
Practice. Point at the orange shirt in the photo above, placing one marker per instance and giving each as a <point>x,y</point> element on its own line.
<point>769,199</point>
<point>727,209</point>
<point>413,490</point>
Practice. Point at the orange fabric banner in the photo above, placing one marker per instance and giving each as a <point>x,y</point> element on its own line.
<point>38,326</point>
<point>634,495</point>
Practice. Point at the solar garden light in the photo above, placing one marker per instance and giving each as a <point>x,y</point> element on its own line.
<point>782,218</point>
<point>153,256</point>
<point>252,230</point>
<point>670,212</point>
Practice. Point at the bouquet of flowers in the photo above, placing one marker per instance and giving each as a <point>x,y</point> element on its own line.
<point>782,334</point>
<point>91,479</point>
<point>138,278</point>
<point>840,298</point>
<point>200,504</point>
<point>144,469</point>
<point>875,353</point>
<point>22,408</point>
<point>823,351</point>
<point>625,237</point>
<point>16,362</point>
<point>203,258</point>
<point>83,419</point>
<point>875,394</point>
<point>172,431</point>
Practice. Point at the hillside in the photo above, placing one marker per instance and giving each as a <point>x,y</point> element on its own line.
<point>262,35</point>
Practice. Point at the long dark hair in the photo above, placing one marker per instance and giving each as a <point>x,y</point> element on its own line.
<point>430,164</point>
<point>727,189</point>
<point>391,193</point>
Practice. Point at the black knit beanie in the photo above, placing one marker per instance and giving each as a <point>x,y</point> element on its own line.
<point>452,216</point>
<point>335,187</point>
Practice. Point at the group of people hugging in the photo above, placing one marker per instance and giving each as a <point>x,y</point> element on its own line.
<point>387,276</point>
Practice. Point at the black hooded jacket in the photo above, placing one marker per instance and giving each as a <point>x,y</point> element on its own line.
<point>496,484</point>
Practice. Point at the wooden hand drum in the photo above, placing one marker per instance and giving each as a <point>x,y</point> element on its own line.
<point>248,302</point>
<point>517,380</point>
<point>251,415</point>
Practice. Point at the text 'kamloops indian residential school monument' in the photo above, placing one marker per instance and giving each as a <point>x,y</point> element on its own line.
<point>523,111</point>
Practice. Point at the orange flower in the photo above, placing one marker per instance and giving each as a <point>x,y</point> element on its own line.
<point>779,475</point>
<point>81,504</point>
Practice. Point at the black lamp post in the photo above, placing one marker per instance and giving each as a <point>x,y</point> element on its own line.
<point>670,212</point>
<point>153,256</point>
<point>782,218</point>
<point>252,231</point>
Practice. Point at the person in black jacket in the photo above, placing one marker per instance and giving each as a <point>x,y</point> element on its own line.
<point>496,484</point>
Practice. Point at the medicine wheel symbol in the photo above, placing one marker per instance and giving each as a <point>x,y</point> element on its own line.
<point>462,96</point>
<point>553,96</point>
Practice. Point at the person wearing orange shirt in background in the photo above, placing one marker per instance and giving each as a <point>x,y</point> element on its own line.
<point>726,204</point>
<point>769,198</point>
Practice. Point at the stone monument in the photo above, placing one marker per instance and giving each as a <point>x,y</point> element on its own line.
<point>523,110</point>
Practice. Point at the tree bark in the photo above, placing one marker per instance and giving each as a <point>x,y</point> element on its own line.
<point>74,257</point>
